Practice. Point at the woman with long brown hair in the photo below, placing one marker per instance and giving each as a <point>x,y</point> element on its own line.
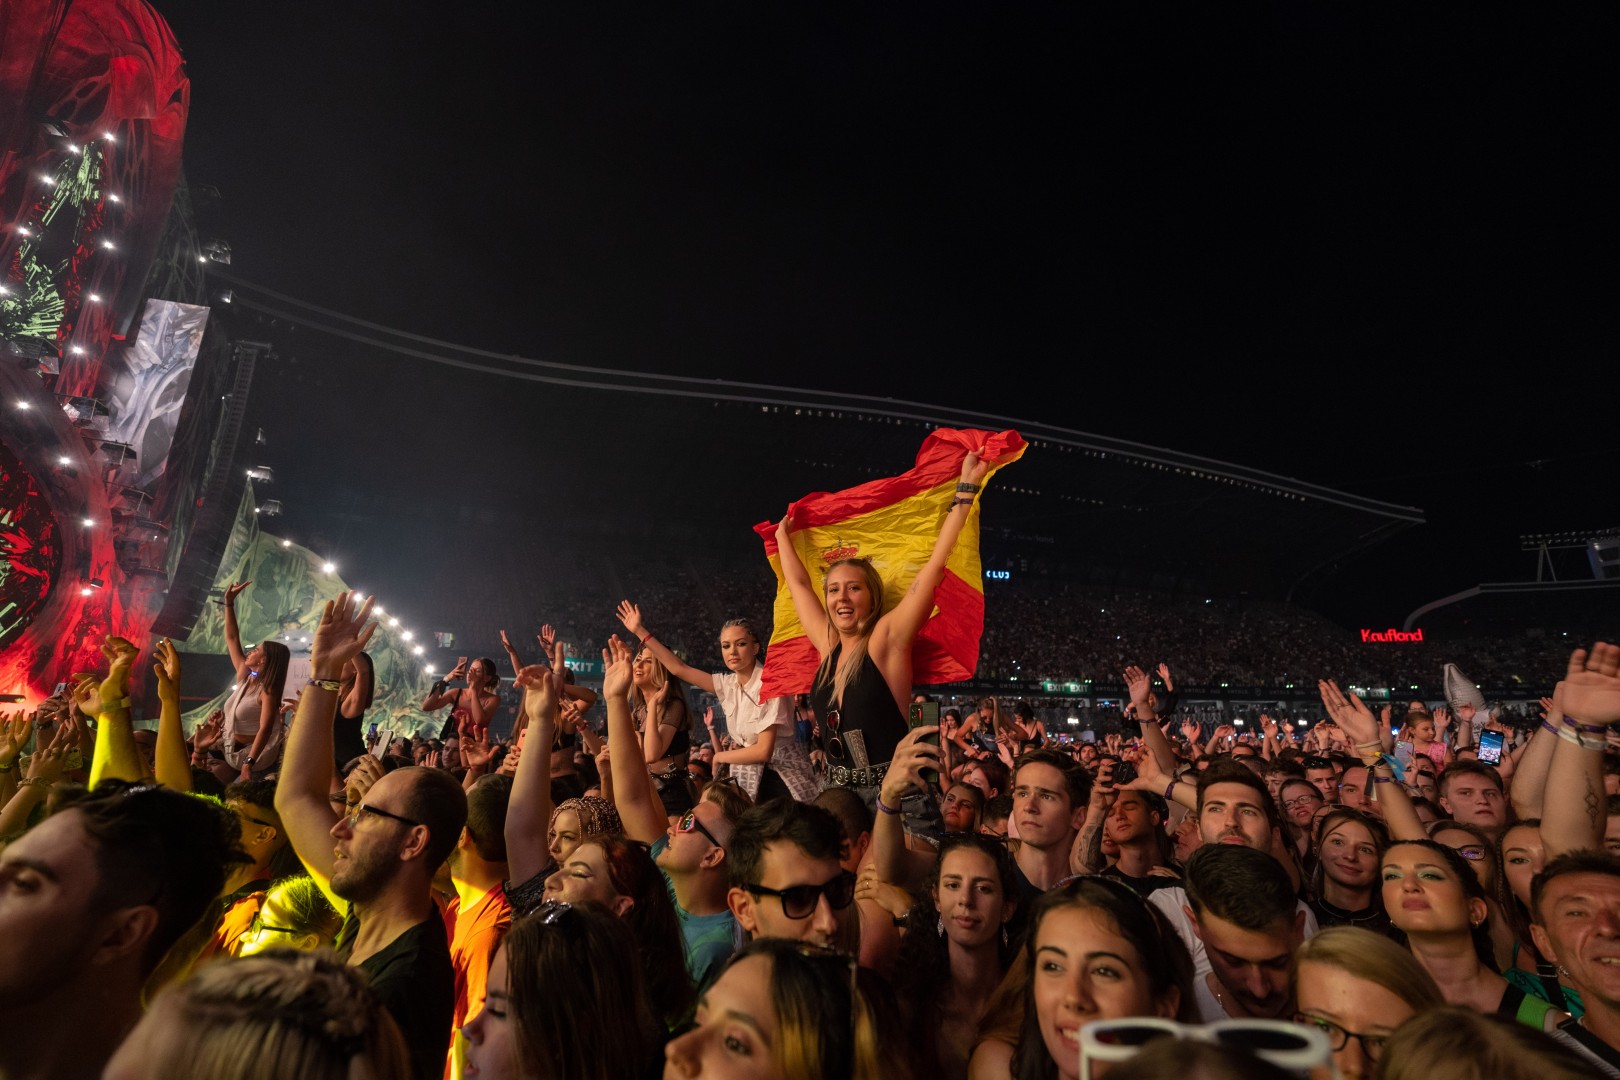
<point>252,732</point>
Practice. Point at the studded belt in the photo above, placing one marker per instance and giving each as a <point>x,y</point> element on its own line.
<point>843,776</point>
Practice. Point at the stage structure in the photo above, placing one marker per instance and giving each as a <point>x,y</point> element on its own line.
<point>117,384</point>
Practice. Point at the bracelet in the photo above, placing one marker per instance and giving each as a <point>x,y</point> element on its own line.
<point>1382,779</point>
<point>881,808</point>
<point>959,502</point>
<point>646,638</point>
<point>1174,781</point>
<point>1590,729</point>
<point>331,685</point>
<point>33,781</point>
<point>114,706</point>
<point>1585,744</point>
<point>971,489</point>
<point>1548,727</point>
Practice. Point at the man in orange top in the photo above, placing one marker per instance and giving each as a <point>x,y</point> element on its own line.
<point>480,912</point>
<point>253,803</point>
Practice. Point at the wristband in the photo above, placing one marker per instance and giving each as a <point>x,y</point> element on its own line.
<point>883,809</point>
<point>960,502</point>
<point>646,638</point>
<point>331,685</point>
<point>440,687</point>
<point>33,781</point>
<point>1171,788</point>
<point>1549,727</point>
<point>1590,729</point>
<point>971,489</point>
<point>114,706</point>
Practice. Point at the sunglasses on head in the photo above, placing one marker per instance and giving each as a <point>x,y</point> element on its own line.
<point>1294,1047</point>
<point>799,901</point>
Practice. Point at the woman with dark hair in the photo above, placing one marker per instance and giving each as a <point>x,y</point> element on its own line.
<point>1521,855</point>
<point>788,1010</point>
<point>1344,887</point>
<point>1435,899</point>
<point>565,1000</point>
<point>863,685</point>
<point>355,693</point>
<point>956,951</point>
<point>1093,950</point>
<point>252,731</point>
<point>767,760</point>
<point>620,875</point>
<point>473,706</point>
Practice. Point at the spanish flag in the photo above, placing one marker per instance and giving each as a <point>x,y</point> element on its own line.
<point>894,522</point>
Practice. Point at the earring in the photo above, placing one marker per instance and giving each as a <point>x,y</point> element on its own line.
<point>941,925</point>
<point>1003,935</point>
<point>1563,971</point>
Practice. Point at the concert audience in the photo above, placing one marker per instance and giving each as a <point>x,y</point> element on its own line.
<point>466,911</point>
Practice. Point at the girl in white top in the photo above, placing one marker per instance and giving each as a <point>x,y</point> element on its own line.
<point>768,760</point>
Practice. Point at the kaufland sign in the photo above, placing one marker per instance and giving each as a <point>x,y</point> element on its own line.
<point>1392,634</point>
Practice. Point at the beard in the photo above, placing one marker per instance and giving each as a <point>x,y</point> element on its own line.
<point>363,875</point>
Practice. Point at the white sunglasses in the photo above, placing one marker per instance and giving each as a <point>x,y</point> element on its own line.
<point>1286,1045</point>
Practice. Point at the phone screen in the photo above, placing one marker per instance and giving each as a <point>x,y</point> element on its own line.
<point>926,714</point>
<point>1490,747</point>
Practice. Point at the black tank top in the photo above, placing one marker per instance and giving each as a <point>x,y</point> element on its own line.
<point>869,708</point>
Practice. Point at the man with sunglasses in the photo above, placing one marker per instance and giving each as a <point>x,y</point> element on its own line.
<point>252,802</point>
<point>786,879</point>
<point>691,853</point>
<point>376,864</point>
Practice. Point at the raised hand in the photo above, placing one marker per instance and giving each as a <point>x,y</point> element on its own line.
<point>14,731</point>
<point>1149,777</point>
<point>1592,685</point>
<point>1442,721</point>
<point>1268,726</point>
<point>84,694</point>
<point>540,691</point>
<point>630,615</point>
<point>1136,681</point>
<point>50,762</point>
<point>911,757</point>
<point>120,656</point>
<point>167,669</point>
<point>1164,673</point>
<point>475,749</point>
<point>548,641</point>
<point>234,590</point>
<point>1350,712</point>
<point>506,643</point>
<point>975,468</point>
<point>1190,730</point>
<point>341,635</point>
<point>509,763</point>
<point>366,772</point>
<point>208,732</point>
<point>616,668</point>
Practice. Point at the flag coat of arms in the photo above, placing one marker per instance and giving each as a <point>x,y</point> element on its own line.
<point>894,523</point>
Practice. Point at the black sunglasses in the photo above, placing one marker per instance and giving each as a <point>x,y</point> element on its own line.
<point>799,901</point>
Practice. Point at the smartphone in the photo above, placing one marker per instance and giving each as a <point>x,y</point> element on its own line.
<point>383,740</point>
<point>1404,754</point>
<point>1490,747</point>
<point>926,714</point>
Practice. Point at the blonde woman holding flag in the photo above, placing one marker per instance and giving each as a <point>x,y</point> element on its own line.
<point>863,684</point>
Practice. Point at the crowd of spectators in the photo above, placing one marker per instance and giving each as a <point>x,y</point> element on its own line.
<point>1393,888</point>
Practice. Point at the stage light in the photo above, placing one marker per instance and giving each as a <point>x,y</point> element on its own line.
<point>378,610</point>
<point>407,635</point>
<point>328,568</point>
<point>109,136</point>
<point>23,229</point>
<point>95,298</point>
<point>303,641</point>
<point>108,244</point>
<point>419,650</point>
<point>64,460</point>
<point>112,196</point>
<point>4,291</point>
<point>85,591</point>
<point>1238,722</point>
<point>75,148</point>
<point>76,350</point>
<point>286,543</point>
<point>394,621</point>
<point>1302,723</point>
<point>51,180</point>
<point>202,258</point>
<point>89,523</point>
<point>429,670</point>
<point>25,405</point>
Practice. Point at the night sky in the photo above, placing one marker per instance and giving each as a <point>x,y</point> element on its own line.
<point>1361,250</point>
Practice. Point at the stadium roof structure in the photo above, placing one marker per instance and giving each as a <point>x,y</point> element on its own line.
<point>578,457</point>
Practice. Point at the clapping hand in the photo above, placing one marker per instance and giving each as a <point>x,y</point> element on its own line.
<point>616,668</point>
<point>166,667</point>
<point>14,732</point>
<point>1591,688</point>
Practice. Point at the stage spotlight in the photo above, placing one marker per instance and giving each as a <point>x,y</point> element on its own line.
<point>286,543</point>
<point>109,245</point>
<point>394,621</point>
<point>112,196</point>
<point>328,568</point>
<point>407,635</point>
<point>85,591</point>
<point>224,296</point>
<point>95,298</point>
<point>419,650</point>
<point>89,523</point>
<point>64,460</point>
<point>25,405</point>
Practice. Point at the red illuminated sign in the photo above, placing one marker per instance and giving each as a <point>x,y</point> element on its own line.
<point>1393,634</point>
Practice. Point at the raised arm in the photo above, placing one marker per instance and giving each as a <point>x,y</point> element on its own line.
<point>303,794</point>
<point>172,765</point>
<point>895,863</point>
<point>640,809</point>
<point>630,615</point>
<point>1136,680</point>
<point>1530,776</point>
<point>1590,695</point>
<point>896,630</point>
<point>45,768</point>
<point>528,813</point>
<point>511,653</point>
<point>1361,727</point>
<point>811,610</point>
<point>233,635</point>
<point>440,694</point>
<point>115,755</point>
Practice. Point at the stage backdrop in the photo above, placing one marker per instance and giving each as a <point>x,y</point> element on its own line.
<point>284,602</point>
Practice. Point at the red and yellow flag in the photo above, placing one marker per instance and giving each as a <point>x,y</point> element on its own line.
<point>894,522</point>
